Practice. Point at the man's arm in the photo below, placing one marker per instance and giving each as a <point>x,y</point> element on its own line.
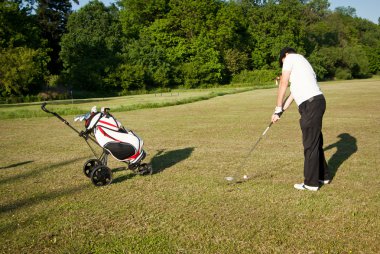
<point>288,102</point>
<point>284,81</point>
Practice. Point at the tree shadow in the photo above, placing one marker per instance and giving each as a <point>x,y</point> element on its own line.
<point>16,165</point>
<point>37,171</point>
<point>166,159</point>
<point>11,226</point>
<point>345,147</point>
<point>26,202</point>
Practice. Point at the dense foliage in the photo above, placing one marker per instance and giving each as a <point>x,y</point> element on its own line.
<point>163,44</point>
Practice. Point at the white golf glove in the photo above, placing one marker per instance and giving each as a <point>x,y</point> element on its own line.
<point>278,111</point>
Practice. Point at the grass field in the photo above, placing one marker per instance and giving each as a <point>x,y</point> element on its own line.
<point>49,206</point>
<point>118,104</point>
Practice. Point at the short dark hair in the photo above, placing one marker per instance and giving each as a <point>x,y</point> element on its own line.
<point>283,54</point>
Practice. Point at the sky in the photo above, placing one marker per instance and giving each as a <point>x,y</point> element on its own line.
<point>368,9</point>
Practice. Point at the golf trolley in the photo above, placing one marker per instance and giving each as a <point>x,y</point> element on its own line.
<point>108,133</point>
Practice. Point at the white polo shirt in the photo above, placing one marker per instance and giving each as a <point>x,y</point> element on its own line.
<point>303,81</point>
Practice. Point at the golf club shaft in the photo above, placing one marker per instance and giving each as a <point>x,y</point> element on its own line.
<point>258,141</point>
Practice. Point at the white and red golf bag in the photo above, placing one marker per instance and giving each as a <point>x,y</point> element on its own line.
<point>104,130</point>
<point>122,144</point>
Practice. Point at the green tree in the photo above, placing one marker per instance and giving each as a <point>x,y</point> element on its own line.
<point>317,10</point>
<point>145,64</point>
<point>231,37</point>
<point>23,54</point>
<point>18,27</point>
<point>91,46</point>
<point>346,11</point>
<point>52,16</point>
<point>190,18</point>
<point>22,70</point>
<point>273,26</point>
<point>137,14</point>
<point>369,37</point>
<point>355,60</point>
<point>204,65</point>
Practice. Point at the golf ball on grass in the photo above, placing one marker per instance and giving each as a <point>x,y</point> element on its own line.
<point>245,177</point>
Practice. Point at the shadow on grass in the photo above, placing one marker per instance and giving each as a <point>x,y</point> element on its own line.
<point>37,171</point>
<point>124,177</point>
<point>42,197</point>
<point>165,159</point>
<point>345,147</point>
<point>11,226</point>
<point>16,165</point>
<point>161,161</point>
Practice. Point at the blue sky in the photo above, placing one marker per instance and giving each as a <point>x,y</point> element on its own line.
<point>368,9</point>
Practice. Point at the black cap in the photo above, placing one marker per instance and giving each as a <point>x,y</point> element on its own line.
<point>283,53</point>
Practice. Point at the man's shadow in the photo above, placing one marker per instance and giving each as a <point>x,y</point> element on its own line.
<point>345,147</point>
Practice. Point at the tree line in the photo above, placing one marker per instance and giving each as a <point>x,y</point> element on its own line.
<point>136,45</point>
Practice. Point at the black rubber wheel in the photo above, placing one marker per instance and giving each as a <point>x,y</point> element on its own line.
<point>101,175</point>
<point>145,169</point>
<point>90,165</point>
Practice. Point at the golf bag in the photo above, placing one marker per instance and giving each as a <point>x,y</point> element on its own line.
<point>122,144</point>
<point>108,133</point>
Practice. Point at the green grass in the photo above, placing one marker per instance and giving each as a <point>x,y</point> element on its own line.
<point>49,206</point>
<point>118,104</point>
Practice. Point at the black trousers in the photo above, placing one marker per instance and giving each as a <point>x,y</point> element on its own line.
<point>315,166</point>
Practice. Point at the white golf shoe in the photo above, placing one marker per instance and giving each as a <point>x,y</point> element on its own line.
<point>324,181</point>
<point>301,186</point>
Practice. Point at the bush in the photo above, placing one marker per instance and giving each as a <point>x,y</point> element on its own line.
<point>256,76</point>
<point>342,74</point>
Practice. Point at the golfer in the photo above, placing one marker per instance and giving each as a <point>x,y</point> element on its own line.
<point>311,106</point>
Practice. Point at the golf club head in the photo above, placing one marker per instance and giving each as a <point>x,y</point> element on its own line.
<point>229,178</point>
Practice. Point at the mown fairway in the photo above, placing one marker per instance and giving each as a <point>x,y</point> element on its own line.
<point>49,206</point>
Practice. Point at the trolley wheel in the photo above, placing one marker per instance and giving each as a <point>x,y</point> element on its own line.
<point>90,165</point>
<point>145,169</point>
<point>101,175</point>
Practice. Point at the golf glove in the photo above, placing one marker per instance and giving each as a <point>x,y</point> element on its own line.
<point>278,111</point>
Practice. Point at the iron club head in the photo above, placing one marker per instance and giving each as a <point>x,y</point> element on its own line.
<point>229,178</point>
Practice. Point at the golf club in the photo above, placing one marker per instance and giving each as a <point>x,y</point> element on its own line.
<point>245,177</point>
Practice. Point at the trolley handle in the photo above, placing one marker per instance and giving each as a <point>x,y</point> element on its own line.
<point>43,107</point>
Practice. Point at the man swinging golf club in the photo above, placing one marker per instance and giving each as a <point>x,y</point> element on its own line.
<point>311,106</point>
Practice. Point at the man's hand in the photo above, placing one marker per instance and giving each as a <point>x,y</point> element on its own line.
<point>275,118</point>
<point>277,114</point>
